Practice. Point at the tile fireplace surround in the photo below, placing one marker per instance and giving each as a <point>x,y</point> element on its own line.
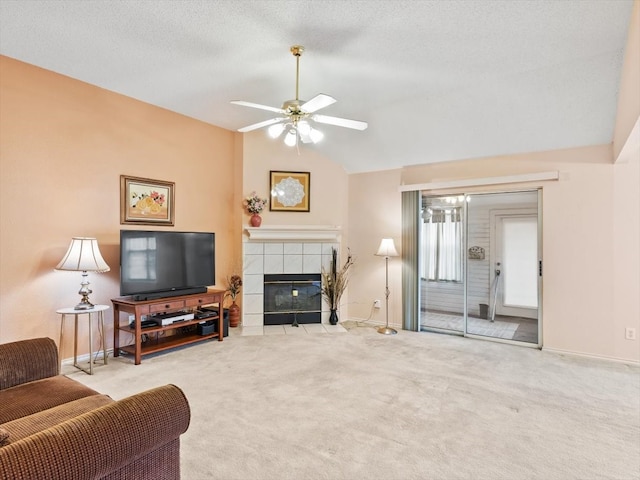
<point>282,249</point>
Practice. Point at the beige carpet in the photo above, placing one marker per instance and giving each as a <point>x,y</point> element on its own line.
<point>360,405</point>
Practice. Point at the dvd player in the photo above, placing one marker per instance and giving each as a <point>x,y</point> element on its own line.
<point>169,318</point>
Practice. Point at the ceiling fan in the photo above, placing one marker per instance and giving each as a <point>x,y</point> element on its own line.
<point>295,116</point>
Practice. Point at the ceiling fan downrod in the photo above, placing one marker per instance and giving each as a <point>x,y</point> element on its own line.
<point>297,50</point>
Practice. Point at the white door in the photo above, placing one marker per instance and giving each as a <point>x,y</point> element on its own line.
<point>516,264</point>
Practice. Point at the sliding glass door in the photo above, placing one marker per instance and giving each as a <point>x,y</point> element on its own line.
<point>442,263</point>
<point>479,265</point>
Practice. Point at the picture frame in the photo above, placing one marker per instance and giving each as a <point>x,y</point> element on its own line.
<point>144,201</point>
<point>290,191</point>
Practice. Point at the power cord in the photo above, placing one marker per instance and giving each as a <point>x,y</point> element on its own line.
<point>371,312</point>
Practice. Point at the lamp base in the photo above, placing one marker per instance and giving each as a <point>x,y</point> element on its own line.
<point>387,331</point>
<point>84,304</point>
<point>84,292</point>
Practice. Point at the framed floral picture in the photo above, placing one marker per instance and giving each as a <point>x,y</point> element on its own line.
<point>289,191</point>
<point>144,201</point>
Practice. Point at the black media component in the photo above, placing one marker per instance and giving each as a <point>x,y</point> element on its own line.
<point>211,326</point>
<point>207,328</point>
<point>155,264</point>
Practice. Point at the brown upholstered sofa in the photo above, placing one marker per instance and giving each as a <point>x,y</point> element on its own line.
<point>52,427</point>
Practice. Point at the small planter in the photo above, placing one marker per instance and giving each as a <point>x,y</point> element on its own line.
<point>234,315</point>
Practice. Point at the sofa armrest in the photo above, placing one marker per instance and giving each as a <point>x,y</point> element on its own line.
<point>27,360</point>
<point>102,441</point>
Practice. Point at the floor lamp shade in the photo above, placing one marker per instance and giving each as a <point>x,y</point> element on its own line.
<point>83,256</point>
<point>387,249</point>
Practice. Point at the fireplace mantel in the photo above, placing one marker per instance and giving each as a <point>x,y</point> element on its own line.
<point>295,233</point>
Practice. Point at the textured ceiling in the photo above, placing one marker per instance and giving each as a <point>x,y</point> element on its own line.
<point>436,80</point>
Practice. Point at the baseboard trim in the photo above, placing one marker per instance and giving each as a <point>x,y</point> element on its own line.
<point>591,355</point>
<point>372,322</point>
<point>85,357</point>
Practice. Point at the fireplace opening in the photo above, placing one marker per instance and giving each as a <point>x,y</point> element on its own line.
<point>290,298</point>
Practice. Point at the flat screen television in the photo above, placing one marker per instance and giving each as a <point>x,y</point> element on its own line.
<point>156,264</point>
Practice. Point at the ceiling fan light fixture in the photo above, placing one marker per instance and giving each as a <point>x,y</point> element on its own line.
<point>316,135</point>
<point>276,130</point>
<point>304,128</point>
<point>295,114</point>
<point>291,139</point>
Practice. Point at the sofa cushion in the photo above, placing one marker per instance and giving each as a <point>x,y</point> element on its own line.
<point>4,437</point>
<point>25,426</point>
<point>32,397</point>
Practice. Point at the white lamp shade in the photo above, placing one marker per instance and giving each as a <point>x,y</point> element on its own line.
<point>316,135</point>
<point>83,256</point>
<point>291,138</point>
<point>387,248</point>
<point>276,130</point>
<point>304,128</point>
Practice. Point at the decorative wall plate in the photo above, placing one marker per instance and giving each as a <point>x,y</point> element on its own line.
<point>289,191</point>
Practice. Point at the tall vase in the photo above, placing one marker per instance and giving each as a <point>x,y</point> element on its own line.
<point>333,317</point>
<point>234,314</point>
<point>255,220</point>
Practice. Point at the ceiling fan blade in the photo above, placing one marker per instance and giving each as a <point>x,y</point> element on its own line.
<point>257,105</point>
<point>341,122</point>
<point>316,103</point>
<point>258,125</point>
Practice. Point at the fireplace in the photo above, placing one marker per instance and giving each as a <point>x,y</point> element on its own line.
<point>292,298</point>
<point>285,249</point>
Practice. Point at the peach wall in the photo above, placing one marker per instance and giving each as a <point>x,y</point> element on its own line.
<point>328,186</point>
<point>64,145</point>
<point>590,243</point>
<point>329,181</point>
<point>626,253</point>
<point>375,212</point>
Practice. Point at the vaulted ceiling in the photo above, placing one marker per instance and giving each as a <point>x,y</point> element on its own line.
<point>436,80</point>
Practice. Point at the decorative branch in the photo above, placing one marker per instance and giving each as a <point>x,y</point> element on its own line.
<point>334,282</point>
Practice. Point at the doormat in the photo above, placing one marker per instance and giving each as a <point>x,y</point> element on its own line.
<point>475,326</point>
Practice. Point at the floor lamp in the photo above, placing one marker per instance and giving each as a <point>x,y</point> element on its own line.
<point>387,249</point>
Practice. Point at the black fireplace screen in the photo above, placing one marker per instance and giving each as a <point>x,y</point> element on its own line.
<point>289,297</point>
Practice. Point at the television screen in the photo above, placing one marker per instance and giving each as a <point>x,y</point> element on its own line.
<point>156,264</point>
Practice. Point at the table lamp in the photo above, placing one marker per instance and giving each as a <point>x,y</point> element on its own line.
<point>83,256</point>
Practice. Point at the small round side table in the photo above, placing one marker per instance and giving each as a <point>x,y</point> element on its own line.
<point>97,309</point>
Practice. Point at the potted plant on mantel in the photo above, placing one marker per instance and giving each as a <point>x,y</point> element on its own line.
<point>254,205</point>
<point>234,282</point>
<point>334,283</point>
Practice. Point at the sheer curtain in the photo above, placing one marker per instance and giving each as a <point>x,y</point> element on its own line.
<point>442,254</point>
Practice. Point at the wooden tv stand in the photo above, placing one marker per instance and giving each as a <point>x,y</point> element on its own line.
<point>155,341</point>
